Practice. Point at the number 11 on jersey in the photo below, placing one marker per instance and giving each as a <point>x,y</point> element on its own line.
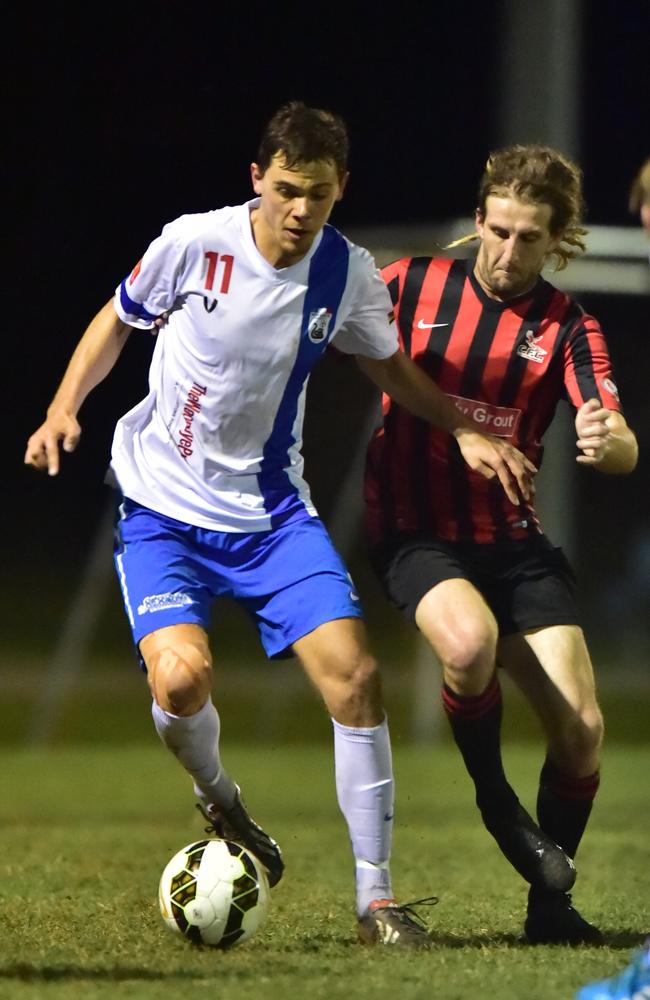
<point>212,259</point>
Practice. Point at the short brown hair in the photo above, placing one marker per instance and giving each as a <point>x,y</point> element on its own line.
<point>539,174</point>
<point>303,134</point>
<point>640,190</point>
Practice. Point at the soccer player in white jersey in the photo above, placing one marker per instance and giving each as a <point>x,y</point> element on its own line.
<point>246,300</point>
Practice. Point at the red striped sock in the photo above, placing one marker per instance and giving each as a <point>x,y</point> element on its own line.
<point>471,707</point>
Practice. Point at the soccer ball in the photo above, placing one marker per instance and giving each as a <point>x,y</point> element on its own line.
<point>214,892</point>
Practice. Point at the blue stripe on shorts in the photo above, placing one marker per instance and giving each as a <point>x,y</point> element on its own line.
<point>290,579</point>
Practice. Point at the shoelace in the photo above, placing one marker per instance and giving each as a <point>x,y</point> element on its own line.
<point>406,909</point>
<point>222,826</point>
<point>214,824</point>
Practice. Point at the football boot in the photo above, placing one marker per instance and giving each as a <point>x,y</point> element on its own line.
<point>389,923</point>
<point>553,919</point>
<point>234,823</point>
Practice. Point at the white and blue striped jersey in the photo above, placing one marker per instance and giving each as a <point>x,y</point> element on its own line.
<point>216,442</point>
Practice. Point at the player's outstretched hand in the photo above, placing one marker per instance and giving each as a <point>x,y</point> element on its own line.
<point>492,456</point>
<point>43,446</point>
<point>593,430</point>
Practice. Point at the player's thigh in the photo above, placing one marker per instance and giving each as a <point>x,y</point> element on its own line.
<point>336,650</point>
<point>431,582</point>
<point>336,659</point>
<point>456,621</point>
<point>553,669</point>
<point>179,667</point>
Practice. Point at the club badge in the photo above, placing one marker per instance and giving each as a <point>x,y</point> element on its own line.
<point>318,325</point>
<point>530,349</point>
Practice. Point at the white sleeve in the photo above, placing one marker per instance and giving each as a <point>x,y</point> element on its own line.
<point>369,328</point>
<point>151,288</point>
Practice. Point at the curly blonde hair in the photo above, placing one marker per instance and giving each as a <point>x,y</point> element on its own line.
<point>538,174</point>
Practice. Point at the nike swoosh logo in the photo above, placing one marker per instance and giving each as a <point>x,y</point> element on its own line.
<point>429,326</point>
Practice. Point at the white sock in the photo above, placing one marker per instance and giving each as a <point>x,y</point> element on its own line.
<point>365,790</point>
<point>194,740</point>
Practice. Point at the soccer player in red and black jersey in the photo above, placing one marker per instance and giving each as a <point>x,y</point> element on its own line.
<point>474,571</point>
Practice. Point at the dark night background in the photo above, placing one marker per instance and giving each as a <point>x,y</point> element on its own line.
<point>113,130</point>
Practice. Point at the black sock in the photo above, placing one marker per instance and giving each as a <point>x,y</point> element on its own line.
<point>564,804</point>
<point>476,725</point>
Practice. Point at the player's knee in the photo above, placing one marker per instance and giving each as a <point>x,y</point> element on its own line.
<point>351,668</point>
<point>362,673</point>
<point>591,730</point>
<point>353,692</point>
<point>579,743</point>
<point>469,651</point>
<point>180,677</point>
<point>350,679</point>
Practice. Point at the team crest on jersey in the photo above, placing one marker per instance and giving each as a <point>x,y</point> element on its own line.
<point>530,350</point>
<point>318,325</point>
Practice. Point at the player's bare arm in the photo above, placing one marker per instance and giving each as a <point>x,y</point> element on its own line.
<point>605,440</point>
<point>92,360</point>
<point>408,385</point>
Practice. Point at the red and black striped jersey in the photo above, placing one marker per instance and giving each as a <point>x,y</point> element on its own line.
<point>506,365</point>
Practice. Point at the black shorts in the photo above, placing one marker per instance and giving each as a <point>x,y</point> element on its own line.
<point>527,585</point>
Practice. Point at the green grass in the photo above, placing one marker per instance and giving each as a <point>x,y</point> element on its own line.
<point>85,833</point>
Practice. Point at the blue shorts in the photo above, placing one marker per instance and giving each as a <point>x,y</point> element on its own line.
<point>289,579</point>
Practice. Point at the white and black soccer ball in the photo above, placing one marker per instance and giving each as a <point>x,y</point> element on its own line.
<point>214,892</point>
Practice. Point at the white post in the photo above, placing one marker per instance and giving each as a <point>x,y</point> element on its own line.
<point>545,107</point>
<point>70,655</point>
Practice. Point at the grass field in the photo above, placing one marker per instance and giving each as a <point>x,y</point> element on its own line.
<point>86,832</point>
